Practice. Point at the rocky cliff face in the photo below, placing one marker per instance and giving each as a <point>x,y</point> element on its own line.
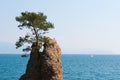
<point>45,65</point>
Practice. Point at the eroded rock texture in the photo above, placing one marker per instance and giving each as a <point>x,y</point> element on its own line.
<point>45,65</point>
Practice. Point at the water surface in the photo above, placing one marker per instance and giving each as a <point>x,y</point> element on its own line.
<point>75,67</point>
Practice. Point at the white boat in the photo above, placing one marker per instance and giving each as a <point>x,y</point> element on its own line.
<point>91,55</point>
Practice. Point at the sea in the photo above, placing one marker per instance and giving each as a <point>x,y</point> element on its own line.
<point>75,67</point>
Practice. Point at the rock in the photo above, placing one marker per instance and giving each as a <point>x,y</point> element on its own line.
<point>45,65</point>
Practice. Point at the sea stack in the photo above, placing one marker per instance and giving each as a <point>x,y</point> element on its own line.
<point>45,65</point>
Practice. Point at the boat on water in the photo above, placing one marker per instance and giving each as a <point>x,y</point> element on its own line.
<point>91,55</point>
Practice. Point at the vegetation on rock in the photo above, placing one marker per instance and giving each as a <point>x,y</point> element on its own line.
<point>37,24</point>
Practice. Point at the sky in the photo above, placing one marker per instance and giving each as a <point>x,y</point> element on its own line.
<point>81,26</point>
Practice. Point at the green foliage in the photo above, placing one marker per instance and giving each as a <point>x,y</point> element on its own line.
<point>28,48</point>
<point>43,39</point>
<point>38,25</point>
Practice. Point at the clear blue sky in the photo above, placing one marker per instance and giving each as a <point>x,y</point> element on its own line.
<point>80,25</point>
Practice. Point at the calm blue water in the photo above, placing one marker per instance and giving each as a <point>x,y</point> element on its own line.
<point>75,67</point>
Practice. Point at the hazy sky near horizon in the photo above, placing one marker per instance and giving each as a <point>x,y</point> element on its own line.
<point>80,25</point>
